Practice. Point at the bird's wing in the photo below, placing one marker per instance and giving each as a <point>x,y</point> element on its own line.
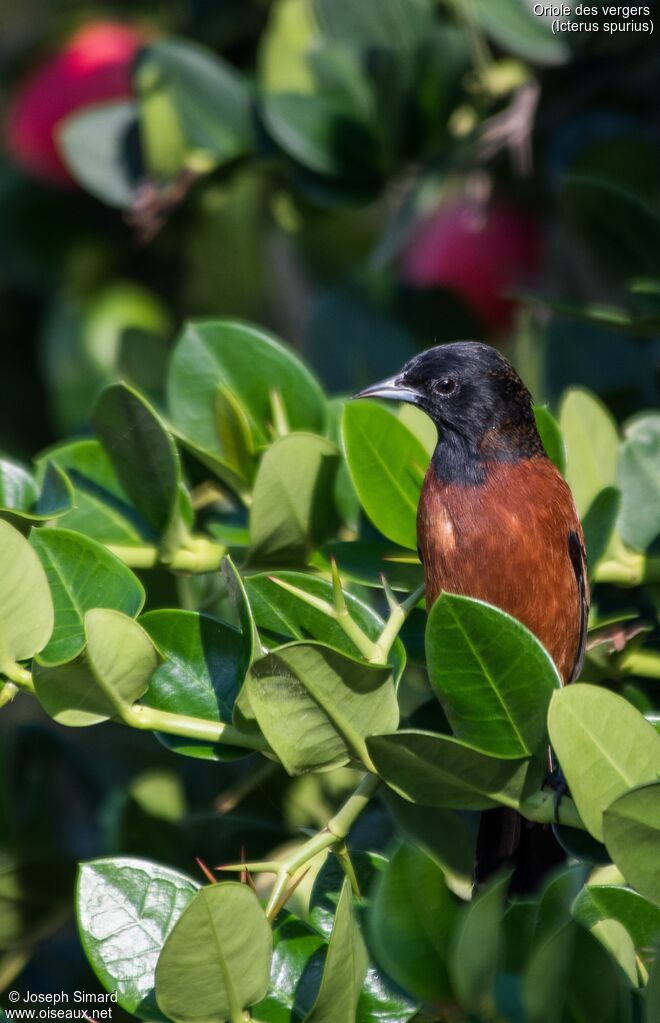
<point>579,561</point>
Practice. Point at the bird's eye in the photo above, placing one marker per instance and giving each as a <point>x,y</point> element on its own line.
<point>445,386</point>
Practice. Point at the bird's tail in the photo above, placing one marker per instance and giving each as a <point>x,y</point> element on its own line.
<point>506,839</point>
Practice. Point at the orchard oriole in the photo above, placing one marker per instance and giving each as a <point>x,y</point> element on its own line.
<point>496,521</point>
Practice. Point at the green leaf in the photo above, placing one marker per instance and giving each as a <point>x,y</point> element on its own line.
<point>225,352</point>
<point>631,829</point>
<point>316,705</point>
<point>344,969</point>
<point>101,509</point>
<point>492,676</point>
<point>216,960</point>
<point>143,456</point>
<point>516,28</point>
<point>280,613</point>
<point>476,948</point>
<point>26,606</point>
<point>22,505</point>
<point>551,435</point>
<point>639,480</point>
<point>599,523</point>
<point>297,956</point>
<point>387,465</point>
<point>365,561</point>
<point>293,508</point>
<point>211,101</point>
<point>437,770</point>
<point>235,434</point>
<point>411,924</point>
<point>380,1000</point>
<point>82,575</point>
<point>321,132</point>
<point>125,910</point>
<point>92,143</point>
<point>201,675</point>
<point>106,679</point>
<point>640,918</point>
<point>570,976</point>
<point>592,446</point>
<point>604,746</point>
<point>444,834</point>
<point>380,23</point>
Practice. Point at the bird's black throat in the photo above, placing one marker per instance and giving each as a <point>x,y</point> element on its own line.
<point>463,457</point>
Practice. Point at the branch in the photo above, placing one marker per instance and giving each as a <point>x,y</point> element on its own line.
<point>635,570</point>
<point>197,556</point>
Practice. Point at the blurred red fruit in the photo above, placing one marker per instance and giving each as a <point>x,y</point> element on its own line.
<point>481,252</point>
<point>92,67</point>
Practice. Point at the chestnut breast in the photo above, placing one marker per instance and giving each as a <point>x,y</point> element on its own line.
<point>507,541</point>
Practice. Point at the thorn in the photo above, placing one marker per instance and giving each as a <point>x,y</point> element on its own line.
<point>337,591</point>
<point>413,599</point>
<point>279,906</point>
<point>205,871</point>
<point>392,602</point>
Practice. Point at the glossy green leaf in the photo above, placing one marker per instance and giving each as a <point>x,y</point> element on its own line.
<point>226,352</point>
<point>26,606</point>
<point>107,678</point>
<point>101,508</point>
<point>476,948</point>
<point>639,480</point>
<point>298,952</point>
<point>492,676</point>
<point>631,829</point>
<point>216,961</point>
<point>571,976</point>
<point>283,615</point>
<point>22,504</point>
<point>92,141</point>
<point>201,674</point>
<point>235,434</point>
<point>82,575</point>
<point>604,746</point>
<point>292,509</point>
<point>209,97</point>
<point>387,464</point>
<point>592,446</point>
<point>411,924</point>
<point>320,132</point>
<point>640,918</point>
<point>380,1000</point>
<point>517,28</point>
<point>316,705</point>
<point>437,770</point>
<point>142,454</point>
<point>380,23</point>
<point>550,432</point>
<point>125,910</point>
<point>599,523</point>
<point>443,834</point>
<point>344,969</point>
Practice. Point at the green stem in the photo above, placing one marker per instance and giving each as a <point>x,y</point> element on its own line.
<point>635,570</point>
<point>393,626</point>
<point>20,676</point>
<point>334,833</point>
<point>7,693</point>
<point>149,719</point>
<point>200,555</point>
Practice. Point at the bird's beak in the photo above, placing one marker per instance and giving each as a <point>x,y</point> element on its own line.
<point>393,388</point>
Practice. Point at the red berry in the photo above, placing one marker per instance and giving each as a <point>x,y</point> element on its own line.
<point>480,252</point>
<point>92,67</point>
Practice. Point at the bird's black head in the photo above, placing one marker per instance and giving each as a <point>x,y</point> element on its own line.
<point>479,404</point>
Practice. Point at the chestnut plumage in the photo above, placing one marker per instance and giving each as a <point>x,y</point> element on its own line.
<point>496,521</point>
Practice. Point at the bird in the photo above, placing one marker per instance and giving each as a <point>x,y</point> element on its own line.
<point>496,521</point>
